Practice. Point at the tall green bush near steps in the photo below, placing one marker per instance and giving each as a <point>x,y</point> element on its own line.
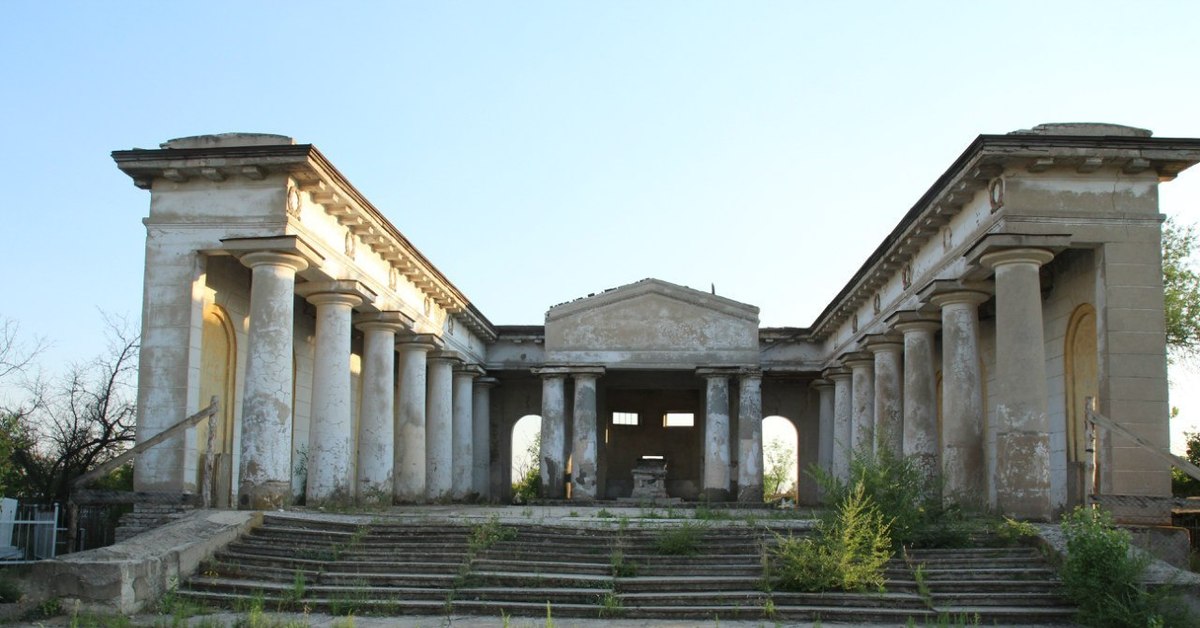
<point>848,552</point>
<point>899,488</point>
<point>1103,577</point>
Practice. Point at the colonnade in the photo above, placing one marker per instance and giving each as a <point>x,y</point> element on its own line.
<point>423,429</point>
<point>584,422</point>
<point>885,396</point>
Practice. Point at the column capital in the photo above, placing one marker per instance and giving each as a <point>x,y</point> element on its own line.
<point>587,371</point>
<point>469,368</point>
<point>486,382</point>
<point>821,384</point>
<point>386,321</point>
<point>750,373</point>
<point>858,359</point>
<point>1003,257</point>
<point>883,343</point>
<point>273,258</point>
<point>942,292</point>
<point>346,291</point>
<point>904,320</point>
<point>548,372</point>
<point>834,373</point>
<point>253,251</point>
<point>429,342</point>
<point>444,356</point>
<point>717,371</point>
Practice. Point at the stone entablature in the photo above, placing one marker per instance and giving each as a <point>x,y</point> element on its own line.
<point>310,179</point>
<point>653,324</point>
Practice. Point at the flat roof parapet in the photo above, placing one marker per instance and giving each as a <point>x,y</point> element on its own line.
<point>225,140</point>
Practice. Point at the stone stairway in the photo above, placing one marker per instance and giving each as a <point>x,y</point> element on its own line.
<point>597,569</point>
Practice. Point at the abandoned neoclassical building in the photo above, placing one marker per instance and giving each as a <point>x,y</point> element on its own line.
<point>1025,280</point>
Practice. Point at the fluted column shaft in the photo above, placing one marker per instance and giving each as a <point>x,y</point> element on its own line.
<point>553,446</point>
<point>409,485</point>
<point>331,433</point>
<point>439,425</point>
<point>963,465</point>
<point>376,424</point>
<point>920,396</point>
<point>862,430</point>
<point>1023,482</point>
<point>843,418</point>
<point>750,439</point>
<point>716,436</point>
<point>481,448</point>
<point>462,484</point>
<point>584,465</point>
<point>266,441</point>
<point>889,402</point>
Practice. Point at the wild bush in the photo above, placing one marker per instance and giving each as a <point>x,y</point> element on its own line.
<point>847,552</point>
<point>1103,577</point>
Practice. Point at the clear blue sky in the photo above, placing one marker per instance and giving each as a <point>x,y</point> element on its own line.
<point>539,151</point>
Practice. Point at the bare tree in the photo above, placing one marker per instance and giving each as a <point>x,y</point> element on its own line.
<point>78,420</point>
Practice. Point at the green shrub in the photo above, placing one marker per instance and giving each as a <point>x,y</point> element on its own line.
<point>10,590</point>
<point>681,541</point>
<point>1103,577</point>
<point>529,487</point>
<point>848,552</point>
<point>896,485</point>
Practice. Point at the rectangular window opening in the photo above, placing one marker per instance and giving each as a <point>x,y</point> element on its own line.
<point>679,419</point>
<point>624,418</point>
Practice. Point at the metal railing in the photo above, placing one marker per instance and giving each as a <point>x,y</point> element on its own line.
<point>31,534</point>
<point>1093,420</point>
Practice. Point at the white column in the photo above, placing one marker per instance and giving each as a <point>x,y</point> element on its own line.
<point>920,395</point>
<point>583,466</point>
<point>825,435</point>
<point>331,427</point>
<point>862,422</point>
<point>553,456</point>
<point>266,457</point>
<point>889,405</point>
<point>481,447</point>
<point>376,424</point>
<point>750,446</point>
<point>843,419</point>
<point>409,480</point>
<point>439,426</point>
<point>716,435</point>
<point>963,468</point>
<point>1023,482</point>
<point>462,484</point>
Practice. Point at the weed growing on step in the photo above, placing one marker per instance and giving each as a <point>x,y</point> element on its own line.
<point>484,535</point>
<point>604,513</point>
<point>293,596</point>
<point>352,600</point>
<point>1012,532</point>
<point>923,586</point>
<point>848,552</point>
<point>897,486</point>
<point>681,541</point>
<point>178,608</point>
<point>620,568</point>
<point>1103,577</point>
<point>947,620</point>
<point>610,605</point>
<point>549,619</point>
<point>769,610</point>
<point>344,622</point>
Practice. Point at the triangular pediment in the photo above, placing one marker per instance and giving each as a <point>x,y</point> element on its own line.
<point>653,324</point>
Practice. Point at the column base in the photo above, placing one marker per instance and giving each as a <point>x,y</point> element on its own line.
<point>716,495</point>
<point>272,495</point>
<point>750,495</point>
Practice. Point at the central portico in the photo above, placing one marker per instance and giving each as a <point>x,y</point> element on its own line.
<point>666,373</point>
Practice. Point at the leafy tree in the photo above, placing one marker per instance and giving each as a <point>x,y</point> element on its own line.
<point>68,425</point>
<point>1181,288</point>
<point>1182,484</point>
<point>779,470</point>
<point>529,472</point>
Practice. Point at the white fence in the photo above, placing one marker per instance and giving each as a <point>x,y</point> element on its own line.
<point>28,532</point>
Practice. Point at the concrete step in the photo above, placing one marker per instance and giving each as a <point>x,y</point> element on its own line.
<point>251,562</point>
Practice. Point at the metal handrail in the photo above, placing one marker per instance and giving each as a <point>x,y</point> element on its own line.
<point>1093,420</point>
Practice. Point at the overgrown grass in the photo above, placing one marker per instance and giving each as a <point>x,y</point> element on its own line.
<point>848,552</point>
<point>683,540</point>
<point>896,485</point>
<point>1103,577</point>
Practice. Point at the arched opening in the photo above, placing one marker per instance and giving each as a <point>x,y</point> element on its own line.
<point>525,441</point>
<point>781,455</point>
<point>1082,376</point>
<point>218,355</point>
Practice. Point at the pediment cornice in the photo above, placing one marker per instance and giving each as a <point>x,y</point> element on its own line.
<point>658,287</point>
